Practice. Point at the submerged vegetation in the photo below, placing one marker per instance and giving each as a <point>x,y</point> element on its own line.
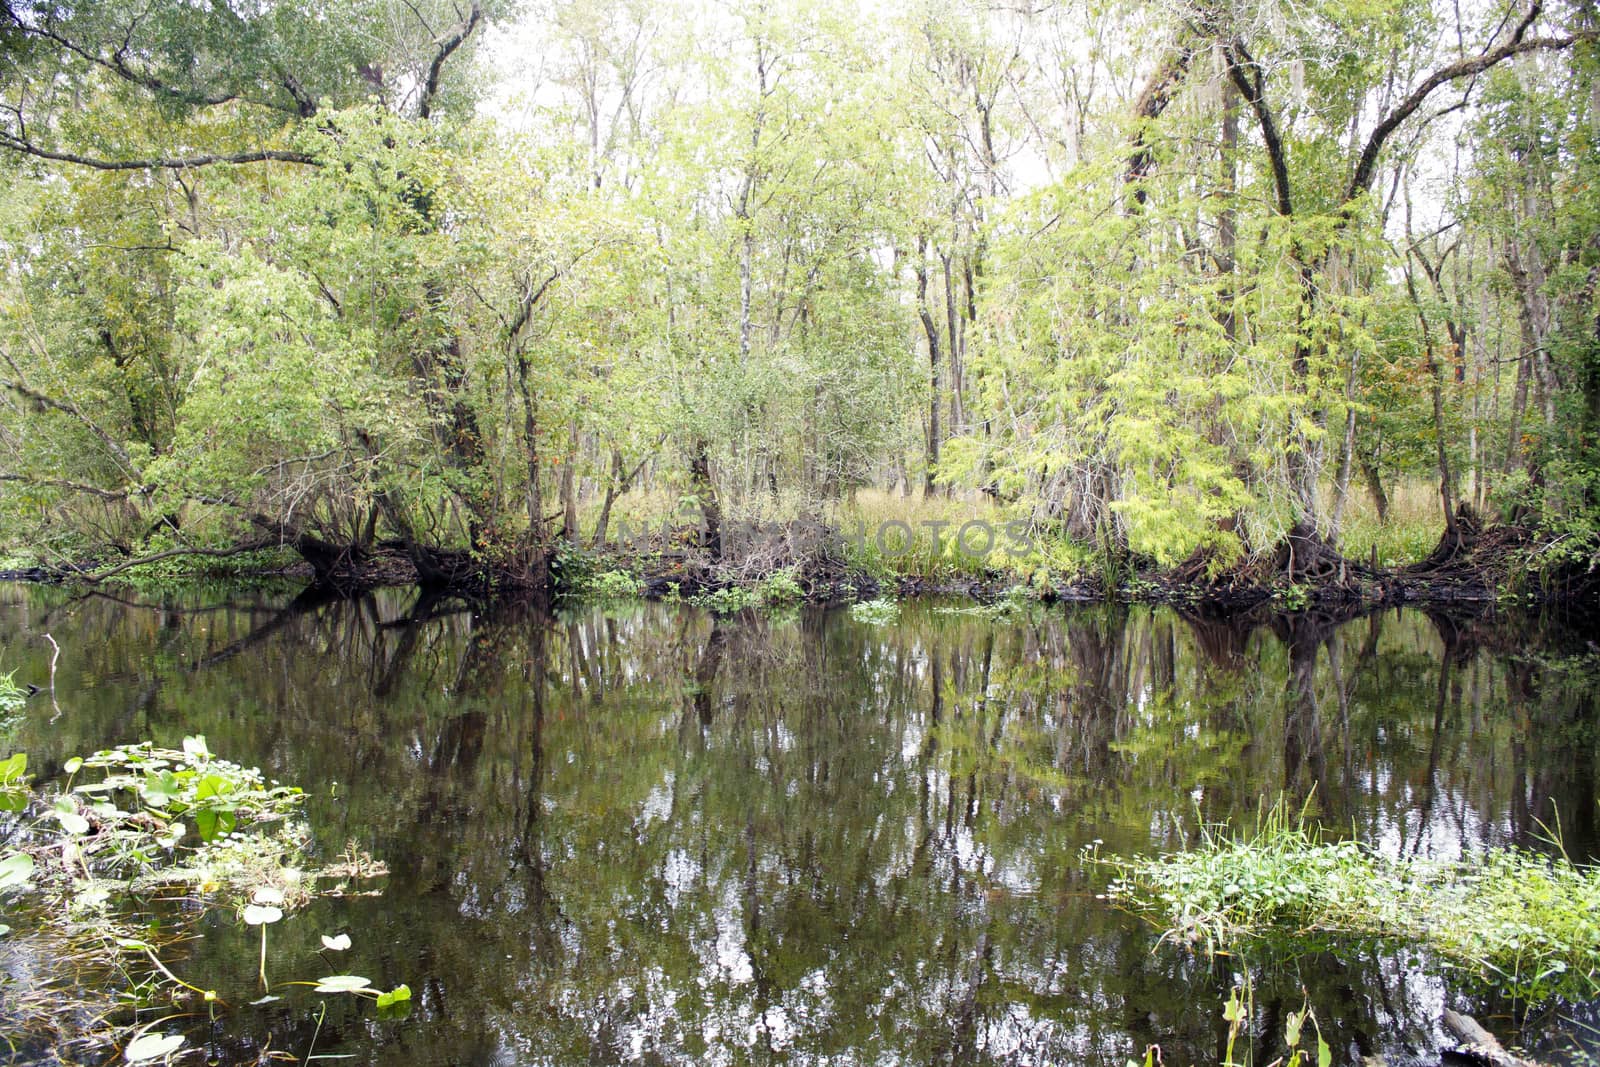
<point>105,876</point>
<point>1522,923</point>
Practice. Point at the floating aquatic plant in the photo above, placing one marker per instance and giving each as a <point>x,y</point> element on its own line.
<point>139,821</point>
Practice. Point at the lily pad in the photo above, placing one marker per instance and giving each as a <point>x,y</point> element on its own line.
<point>15,870</point>
<point>147,1047</point>
<point>336,944</point>
<point>66,813</point>
<point>261,914</point>
<point>343,983</point>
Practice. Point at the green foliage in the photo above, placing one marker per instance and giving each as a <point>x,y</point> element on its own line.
<point>142,783</point>
<point>726,600</point>
<point>615,585</point>
<point>1296,597</point>
<point>780,588</point>
<point>1301,1046</point>
<point>1522,922</point>
<point>807,261</point>
<point>14,782</point>
<point>578,574</point>
<point>12,699</point>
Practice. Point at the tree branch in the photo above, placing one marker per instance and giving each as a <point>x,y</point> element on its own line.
<point>1246,74</point>
<point>75,487</point>
<point>1367,165</point>
<point>1153,100</point>
<point>447,44</point>
<point>216,553</point>
<point>115,63</point>
<point>16,144</point>
<point>67,407</point>
<point>527,305</point>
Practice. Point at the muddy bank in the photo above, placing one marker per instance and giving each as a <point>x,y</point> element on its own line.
<point>1475,566</point>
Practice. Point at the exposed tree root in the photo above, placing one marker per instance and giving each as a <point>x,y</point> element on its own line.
<point>1473,565</point>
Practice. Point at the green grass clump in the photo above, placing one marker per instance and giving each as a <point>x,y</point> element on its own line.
<point>12,695</point>
<point>1405,535</point>
<point>1520,921</point>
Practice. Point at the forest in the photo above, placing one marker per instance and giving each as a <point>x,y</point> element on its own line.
<point>1186,287</point>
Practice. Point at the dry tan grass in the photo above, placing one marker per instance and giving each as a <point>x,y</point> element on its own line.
<point>1409,533</point>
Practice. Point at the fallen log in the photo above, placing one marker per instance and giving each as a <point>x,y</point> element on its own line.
<point>1480,1045</point>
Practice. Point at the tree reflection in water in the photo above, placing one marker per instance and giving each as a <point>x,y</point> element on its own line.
<point>643,834</point>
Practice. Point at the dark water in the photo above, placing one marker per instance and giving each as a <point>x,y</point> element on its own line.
<point>643,835</point>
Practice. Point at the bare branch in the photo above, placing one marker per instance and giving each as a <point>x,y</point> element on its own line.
<point>1248,77</point>
<point>17,144</point>
<point>67,407</point>
<point>1367,165</point>
<point>447,44</point>
<point>74,487</point>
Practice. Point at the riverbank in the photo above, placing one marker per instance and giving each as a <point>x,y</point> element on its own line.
<point>818,563</point>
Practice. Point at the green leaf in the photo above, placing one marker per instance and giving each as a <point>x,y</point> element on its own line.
<point>65,809</point>
<point>160,790</point>
<point>72,822</point>
<point>13,767</point>
<point>398,995</point>
<point>147,1047</point>
<point>342,983</point>
<point>211,824</point>
<point>73,765</point>
<point>15,870</point>
<point>1324,1053</point>
<point>195,747</point>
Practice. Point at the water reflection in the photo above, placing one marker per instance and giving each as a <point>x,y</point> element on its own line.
<point>647,835</point>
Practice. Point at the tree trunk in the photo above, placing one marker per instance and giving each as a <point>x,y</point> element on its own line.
<point>535,555</point>
<point>614,489</point>
<point>569,486</point>
<point>931,330</point>
<point>1374,480</point>
<point>955,332</point>
<point>710,507</point>
<point>1447,494</point>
